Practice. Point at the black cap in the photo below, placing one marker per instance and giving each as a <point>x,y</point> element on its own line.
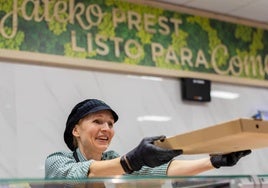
<point>80,110</point>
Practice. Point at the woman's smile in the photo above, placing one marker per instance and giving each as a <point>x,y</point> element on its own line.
<point>103,139</point>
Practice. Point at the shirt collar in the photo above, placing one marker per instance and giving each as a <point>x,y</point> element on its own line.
<point>80,156</point>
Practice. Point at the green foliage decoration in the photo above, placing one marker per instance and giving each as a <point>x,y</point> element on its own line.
<point>250,58</point>
<point>14,43</point>
<point>144,36</point>
<point>180,41</point>
<point>106,26</point>
<point>256,44</point>
<point>69,52</point>
<point>243,32</point>
<point>136,61</point>
<point>6,6</point>
<point>213,39</point>
<point>56,27</point>
<point>205,25</point>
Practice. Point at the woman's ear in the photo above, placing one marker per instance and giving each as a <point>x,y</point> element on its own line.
<point>75,131</point>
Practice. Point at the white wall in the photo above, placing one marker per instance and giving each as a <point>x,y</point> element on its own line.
<point>36,100</point>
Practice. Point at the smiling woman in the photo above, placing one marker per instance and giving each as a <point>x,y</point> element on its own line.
<point>94,133</point>
<point>88,133</point>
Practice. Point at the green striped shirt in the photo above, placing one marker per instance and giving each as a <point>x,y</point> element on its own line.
<point>63,165</point>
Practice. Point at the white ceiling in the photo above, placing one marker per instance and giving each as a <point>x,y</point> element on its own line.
<point>253,10</point>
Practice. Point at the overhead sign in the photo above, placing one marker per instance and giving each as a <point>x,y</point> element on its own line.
<point>127,34</point>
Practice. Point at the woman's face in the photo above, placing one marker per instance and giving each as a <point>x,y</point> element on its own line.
<point>95,131</point>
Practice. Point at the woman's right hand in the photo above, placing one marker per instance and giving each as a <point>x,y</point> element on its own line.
<point>147,154</point>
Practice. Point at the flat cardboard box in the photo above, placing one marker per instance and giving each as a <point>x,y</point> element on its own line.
<point>235,135</point>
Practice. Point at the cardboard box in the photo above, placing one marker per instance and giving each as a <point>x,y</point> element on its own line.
<point>235,135</point>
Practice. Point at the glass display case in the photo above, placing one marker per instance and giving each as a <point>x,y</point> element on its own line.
<point>245,181</point>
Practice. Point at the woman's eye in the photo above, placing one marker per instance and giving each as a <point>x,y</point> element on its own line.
<point>97,121</point>
<point>111,125</point>
<point>101,122</point>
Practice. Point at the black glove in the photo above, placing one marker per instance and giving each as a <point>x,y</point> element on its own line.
<point>147,154</point>
<point>229,159</point>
